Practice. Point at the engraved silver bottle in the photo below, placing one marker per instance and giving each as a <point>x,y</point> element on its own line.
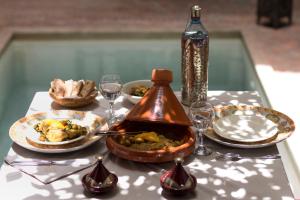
<point>194,63</point>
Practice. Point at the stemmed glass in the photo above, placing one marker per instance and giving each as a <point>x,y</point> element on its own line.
<point>110,87</point>
<point>201,114</point>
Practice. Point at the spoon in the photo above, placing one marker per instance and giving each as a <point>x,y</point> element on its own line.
<point>237,157</point>
<point>112,133</point>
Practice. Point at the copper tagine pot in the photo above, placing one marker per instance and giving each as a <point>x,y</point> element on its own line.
<point>161,112</point>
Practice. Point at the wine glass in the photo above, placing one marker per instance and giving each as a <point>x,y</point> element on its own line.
<point>110,87</point>
<point>201,114</point>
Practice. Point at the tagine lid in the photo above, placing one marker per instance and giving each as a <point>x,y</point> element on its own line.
<point>177,181</point>
<point>100,180</point>
<point>160,103</point>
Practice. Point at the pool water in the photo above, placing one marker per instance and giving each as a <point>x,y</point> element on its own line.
<point>29,64</point>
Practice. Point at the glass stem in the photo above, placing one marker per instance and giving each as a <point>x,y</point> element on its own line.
<point>200,135</point>
<point>111,111</point>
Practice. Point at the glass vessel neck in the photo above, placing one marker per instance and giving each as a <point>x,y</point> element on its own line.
<point>195,20</point>
<point>194,25</point>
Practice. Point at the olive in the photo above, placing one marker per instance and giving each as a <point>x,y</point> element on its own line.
<point>127,142</point>
<point>122,142</point>
<point>42,138</point>
<point>74,126</point>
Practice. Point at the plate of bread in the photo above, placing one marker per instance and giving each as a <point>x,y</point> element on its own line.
<point>72,93</point>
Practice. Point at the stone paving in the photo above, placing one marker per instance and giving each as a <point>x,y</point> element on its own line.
<point>275,52</point>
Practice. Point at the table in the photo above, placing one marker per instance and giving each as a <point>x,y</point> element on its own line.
<point>245,179</point>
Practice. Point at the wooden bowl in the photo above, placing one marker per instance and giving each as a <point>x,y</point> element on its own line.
<point>74,102</point>
<point>153,156</point>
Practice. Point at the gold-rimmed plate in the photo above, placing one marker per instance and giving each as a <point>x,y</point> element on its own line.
<point>285,125</point>
<point>19,130</point>
<point>245,128</point>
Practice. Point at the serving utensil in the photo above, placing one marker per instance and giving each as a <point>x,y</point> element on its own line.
<point>113,133</point>
<point>37,162</point>
<point>237,157</point>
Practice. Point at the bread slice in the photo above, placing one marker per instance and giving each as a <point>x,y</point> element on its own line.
<point>87,88</point>
<point>76,88</point>
<point>69,88</point>
<point>58,87</point>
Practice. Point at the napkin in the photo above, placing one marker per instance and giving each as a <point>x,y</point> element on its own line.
<point>47,174</point>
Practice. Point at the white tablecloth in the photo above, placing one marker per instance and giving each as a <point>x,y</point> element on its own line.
<point>245,179</point>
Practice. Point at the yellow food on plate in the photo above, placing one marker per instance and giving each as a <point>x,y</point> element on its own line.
<point>53,130</point>
<point>139,91</point>
<point>147,136</point>
<point>148,141</point>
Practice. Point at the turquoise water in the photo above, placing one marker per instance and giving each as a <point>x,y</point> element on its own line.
<point>29,64</point>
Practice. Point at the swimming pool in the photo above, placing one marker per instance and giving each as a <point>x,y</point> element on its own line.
<point>30,62</point>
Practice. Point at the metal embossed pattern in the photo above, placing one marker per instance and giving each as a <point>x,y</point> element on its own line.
<point>194,70</point>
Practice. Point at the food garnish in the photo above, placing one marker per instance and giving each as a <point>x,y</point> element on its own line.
<point>139,91</point>
<point>53,130</point>
<point>148,141</point>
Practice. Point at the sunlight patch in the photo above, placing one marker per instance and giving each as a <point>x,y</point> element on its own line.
<point>202,181</point>
<point>217,182</point>
<point>80,196</point>
<point>231,173</point>
<point>124,192</point>
<point>62,184</point>
<point>199,166</point>
<point>260,165</point>
<point>63,194</point>
<point>221,192</point>
<point>151,188</point>
<point>123,182</point>
<point>239,194</point>
<point>266,198</point>
<point>265,172</point>
<point>159,190</point>
<point>151,173</point>
<point>139,181</point>
<point>275,187</point>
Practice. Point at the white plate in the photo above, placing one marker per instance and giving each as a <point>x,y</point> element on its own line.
<point>245,128</point>
<point>285,125</point>
<point>21,130</point>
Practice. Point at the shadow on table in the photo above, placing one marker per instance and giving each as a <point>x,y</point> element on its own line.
<point>244,179</point>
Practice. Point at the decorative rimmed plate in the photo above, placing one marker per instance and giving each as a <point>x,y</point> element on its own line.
<point>245,128</point>
<point>285,125</point>
<point>19,130</point>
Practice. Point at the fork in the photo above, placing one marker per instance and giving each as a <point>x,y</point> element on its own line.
<point>237,157</point>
